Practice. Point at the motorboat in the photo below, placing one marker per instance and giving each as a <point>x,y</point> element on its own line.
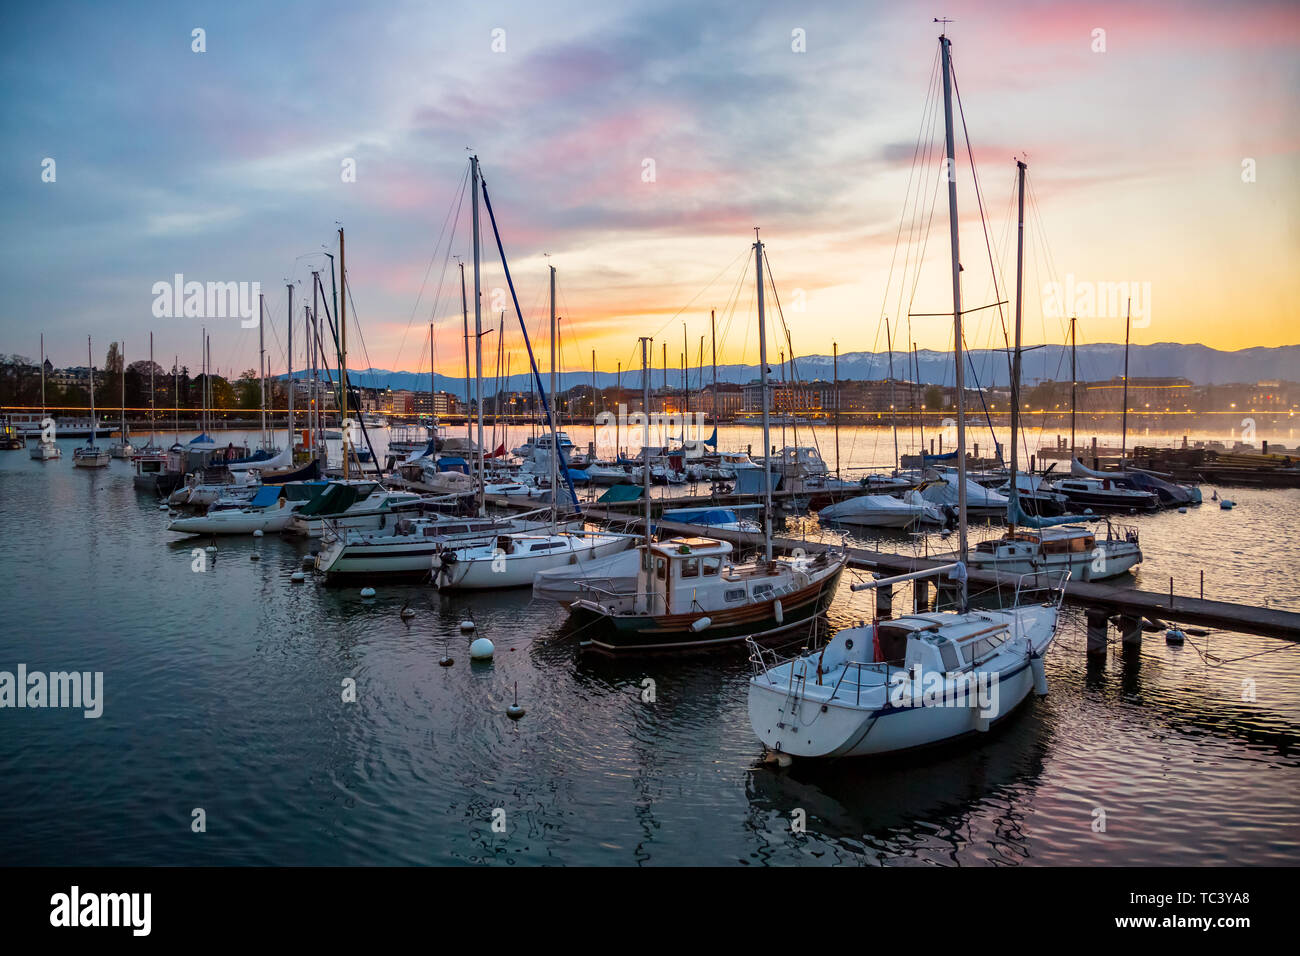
<point>351,505</point>
<point>513,559</point>
<point>882,511</point>
<point>407,546</point>
<point>942,491</point>
<point>268,511</point>
<point>613,574</point>
<point>690,594</point>
<point>1105,493</point>
<point>1072,548</point>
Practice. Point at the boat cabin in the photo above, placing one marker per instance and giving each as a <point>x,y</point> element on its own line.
<point>680,567</point>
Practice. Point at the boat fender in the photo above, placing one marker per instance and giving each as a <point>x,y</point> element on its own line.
<point>778,612</point>
<point>1039,670</point>
<point>701,623</point>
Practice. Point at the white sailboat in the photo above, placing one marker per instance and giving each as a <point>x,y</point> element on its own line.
<point>923,678</point>
<point>513,559</point>
<point>90,455</point>
<point>46,449</point>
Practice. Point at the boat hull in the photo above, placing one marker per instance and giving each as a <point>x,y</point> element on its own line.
<point>672,632</point>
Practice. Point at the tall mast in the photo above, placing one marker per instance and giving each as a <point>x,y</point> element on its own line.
<point>313,415</point>
<point>1074,379</point>
<point>464,311</point>
<point>478,342</point>
<point>343,357</point>
<point>153,407</point>
<point>555,442</point>
<point>762,366</point>
<point>593,402</point>
<point>1015,358</point>
<point>122,358</point>
<point>289,368</point>
<point>91,362</point>
<point>261,357</point>
<point>920,418</point>
<point>685,388</point>
<point>176,395</point>
<point>835,376</point>
<point>713,335</point>
<point>433,418</point>
<point>944,47</point>
<point>1123,427</point>
<point>645,438</point>
<point>43,372</point>
<point>618,400</point>
<point>893,414</point>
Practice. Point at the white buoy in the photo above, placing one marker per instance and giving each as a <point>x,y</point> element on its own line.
<point>481,649</point>
<point>467,625</point>
<point>1087,511</point>
<point>163,508</point>
<point>211,549</point>
<point>258,533</point>
<point>1174,636</point>
<point>254,557</point>
<point>367,592</point>
<point>298,577</point>
<point>514,711</point>
<point>1182,511</point>
<point>408,612</point>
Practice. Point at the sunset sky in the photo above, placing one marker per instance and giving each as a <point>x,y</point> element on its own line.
<point>226,165</point>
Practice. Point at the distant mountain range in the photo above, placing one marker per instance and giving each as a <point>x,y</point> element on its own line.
<point>1199,363</point>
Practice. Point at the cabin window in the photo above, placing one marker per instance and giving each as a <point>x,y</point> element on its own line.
<point>949,656</point>
<point>709,567</point>
<point>690,567</point>
<point>661,568</point>
<point>761,589</point>
<point>735,594</point>
<point>1081,544</point>
<point>1055,547</point>
<point>546,546</point>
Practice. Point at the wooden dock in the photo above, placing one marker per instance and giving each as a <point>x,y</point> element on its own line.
<point>1102,601</point>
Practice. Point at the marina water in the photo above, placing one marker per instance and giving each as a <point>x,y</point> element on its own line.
<point>224,691</point>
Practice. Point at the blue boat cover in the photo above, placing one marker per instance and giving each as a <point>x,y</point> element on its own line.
<point>700,516</point>
<point>452,463</point>
<point>619,493</point>
<point>266,495</point>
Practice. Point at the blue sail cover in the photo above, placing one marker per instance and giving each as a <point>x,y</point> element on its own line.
<point>700,516</point>
<point>266,496</point>
<point>712,440</point>
<point>951,456</point>
<point>1017,516</point>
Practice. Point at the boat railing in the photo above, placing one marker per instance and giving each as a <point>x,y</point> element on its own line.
<point>765,660</point>
<point>1121,532</point>
<point>1052,582</point>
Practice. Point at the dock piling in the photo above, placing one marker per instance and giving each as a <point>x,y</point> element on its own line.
<point>1097,625</point>
<point>1130,629</point>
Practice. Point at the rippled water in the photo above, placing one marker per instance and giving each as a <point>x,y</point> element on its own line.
<point>223,692</point>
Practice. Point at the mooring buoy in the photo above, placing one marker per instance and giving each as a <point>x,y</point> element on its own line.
<point>367,592</point>
<point>514,711</point>
<point>298,577</point>
<point>482,649</point>
<point>1174,636</point>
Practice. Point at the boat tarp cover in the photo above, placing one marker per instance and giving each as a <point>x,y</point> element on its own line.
<point>266,496</point>
<point>335,499</point>
<point>619,493</point>
<point>701,516</point>
<point>749,481</point>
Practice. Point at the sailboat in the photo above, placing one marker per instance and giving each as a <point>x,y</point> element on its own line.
<point>46,449</point>
<point>512,559</point>
<point>690,593</point>
<point>922,678</point>
<point>91,455</point>
<point>1033,542</point>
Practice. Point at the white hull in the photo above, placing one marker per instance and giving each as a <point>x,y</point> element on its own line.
<point>478,569</point>
<point>1111,563</point>
<point>851,711</point>
<point>46,451</point>
<point>99,460</point>
<point>235,522</point>
<point>875,511</point>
